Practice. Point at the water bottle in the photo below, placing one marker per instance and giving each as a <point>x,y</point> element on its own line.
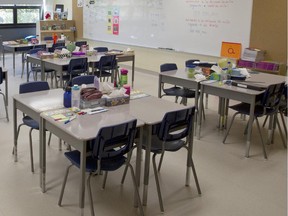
<point>75,102</point>
<point>124,77</point>
<point>67,97</point>
<point>96,83</point>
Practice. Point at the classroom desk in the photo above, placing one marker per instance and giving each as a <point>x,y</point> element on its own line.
<point>58,64</point>
<point>79,131</point>
<point>33,104</point>
<point>23,48</point>
<point>240,94</point>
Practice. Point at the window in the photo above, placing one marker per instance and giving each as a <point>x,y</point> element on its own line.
<point>6,16</point>
<point>17,16</point>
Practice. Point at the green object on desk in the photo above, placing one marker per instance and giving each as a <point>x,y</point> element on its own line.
<point>71,47</point>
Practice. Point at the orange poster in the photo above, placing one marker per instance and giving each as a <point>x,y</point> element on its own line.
<point>231,50</point>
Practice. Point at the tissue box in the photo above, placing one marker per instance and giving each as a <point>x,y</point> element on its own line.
<point>117,101</point>
<point>92,103</point>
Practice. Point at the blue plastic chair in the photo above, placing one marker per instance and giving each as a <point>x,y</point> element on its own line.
<point>76,67</point>
<point>27,120</point>
<point>175,90</point>
<point>175,127</point>
<point>85,79</point>
<point>4,96</point>
<point>108,154</point>
<point>268,106</point>
<point>80,43</point>
<point>106,67</point>
<point>101,49</point>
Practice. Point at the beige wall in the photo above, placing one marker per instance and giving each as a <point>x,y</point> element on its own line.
<point>269,32</point>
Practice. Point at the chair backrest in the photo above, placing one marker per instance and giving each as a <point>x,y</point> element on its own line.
<point>107,62</point>
<point>1,75</point>
<point>80,43</point>
<point>191,62</point>
<point>78,65</point>
<point>85,79</point>
<point>51,49</point>
<point>43,46</point>
<point>33,87</point>
<point>168,67</point>
<point>48,38</point>
<point>272,96</point>
<point>60,48</point>
<point>176,125</point>
<point>101,49</point>
<point>114,141</point>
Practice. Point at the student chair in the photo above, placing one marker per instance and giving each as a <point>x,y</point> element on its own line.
<point>267,106</point>
<point>76,67</point>
<point>48,38</point>
<point>282,111</point>
<point>52,49</point>
<point>106,67</point>
<point>35,69</point>
<point>4,96</point>
<point>84,79</point>
<point>101,49</point>
<point>28,121</point>
<point>108,154</point>
<point>80,43</point>
<point>27,50</point>
<point>176,90</point>
<point>174,132</point>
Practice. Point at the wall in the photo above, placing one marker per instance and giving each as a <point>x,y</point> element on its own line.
<point>269,32</point>
<point>16,33</point>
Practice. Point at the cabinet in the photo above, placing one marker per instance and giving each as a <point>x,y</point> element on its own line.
<point>46,28</point>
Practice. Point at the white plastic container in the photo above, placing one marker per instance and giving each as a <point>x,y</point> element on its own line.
<point>75,99</point>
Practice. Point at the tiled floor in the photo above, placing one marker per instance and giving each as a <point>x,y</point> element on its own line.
<point>231,184</point>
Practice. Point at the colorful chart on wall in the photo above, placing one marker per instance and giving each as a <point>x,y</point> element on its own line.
<point>193,26</point>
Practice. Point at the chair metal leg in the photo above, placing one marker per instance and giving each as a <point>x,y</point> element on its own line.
<point>5,105</point>
<point>18,131</point>
<point>136,189</point>
<point>157,183</point>
<point>90,194</point>
<point>104,180</point>
<point>49,139</point>
<point>63,185</point>
<point>284,123</point>
<point>263,144</point>
<point>128,162</point>
<point>160,161</point>
<point>31,150</point>
<point>195,176</point>
<point>227,132</point>
<point>284,141</point>
<point>264,123</point>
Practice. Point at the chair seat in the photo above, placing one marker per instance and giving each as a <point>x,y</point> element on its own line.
<point>171,146</point>
<point>103,74</point>
<point>27,120</point>
<point>244,108</point>
<point>110,164</point>
<point>181,92</point>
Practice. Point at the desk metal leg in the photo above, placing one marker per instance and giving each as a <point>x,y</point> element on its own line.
<point>251,118</point>
<point>42,154</point>
<point>133,71</point>
<point>199,120</point>
<point>82,176</point>
<point>148,137</point>
<point>14,63</point>
<point>3,56</point>
<point>15,129</point>
<point>138,165</point>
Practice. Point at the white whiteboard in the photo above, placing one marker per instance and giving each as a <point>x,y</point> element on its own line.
<point>193,26</point>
